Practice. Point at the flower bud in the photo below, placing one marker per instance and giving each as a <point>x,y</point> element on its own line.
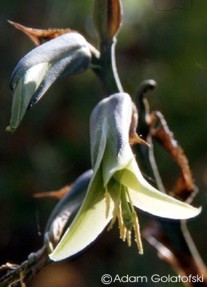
<point>65,55</point>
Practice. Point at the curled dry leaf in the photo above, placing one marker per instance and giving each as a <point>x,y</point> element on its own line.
<point>38,36</point>
<point>160,131</point>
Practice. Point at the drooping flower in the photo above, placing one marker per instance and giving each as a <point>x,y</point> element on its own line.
<point>117,185</point>
<point>65,55</point>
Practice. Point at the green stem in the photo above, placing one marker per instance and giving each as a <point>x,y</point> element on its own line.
<point>105,68</point>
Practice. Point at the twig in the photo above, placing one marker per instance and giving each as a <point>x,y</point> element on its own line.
<point>25,271</point>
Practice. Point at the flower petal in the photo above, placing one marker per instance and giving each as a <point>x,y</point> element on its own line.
<point>74,63</point>
<point>109,134</point>
<point>50,51</point>
<point>149,199</point>
<point>24,88</point>
<point>65,210</point>
<point>90,221</point>
<point>73,198</point>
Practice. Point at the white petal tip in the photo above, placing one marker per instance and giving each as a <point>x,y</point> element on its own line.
<point>9,129</point>
<point>55,257</point>
<point>195,212</point>
<point>183,213</point>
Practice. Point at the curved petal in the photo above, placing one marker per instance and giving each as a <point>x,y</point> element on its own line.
<point>90,221</point>
<point>65,210</point>
<point>149,199</point>
<point>73,199</point>
<point>70,65</point>
<point>24,88</point>
<point>49,51</point>
<point>109,124</point>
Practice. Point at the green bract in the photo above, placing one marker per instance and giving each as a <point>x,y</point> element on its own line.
<point>117,184</point>
<point>65,55</point>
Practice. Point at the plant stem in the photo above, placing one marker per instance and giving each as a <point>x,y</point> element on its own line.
<point>105,68</point>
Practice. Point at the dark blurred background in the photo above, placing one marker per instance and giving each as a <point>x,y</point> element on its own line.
<point>51,146</point>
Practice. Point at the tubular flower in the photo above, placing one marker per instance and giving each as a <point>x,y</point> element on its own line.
<point>117,185</point>
<point>65,55</point>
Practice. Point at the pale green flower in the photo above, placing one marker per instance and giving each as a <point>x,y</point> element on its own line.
<point>117,184</point>
<point>65,55</point>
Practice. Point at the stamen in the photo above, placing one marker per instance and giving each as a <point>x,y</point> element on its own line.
<point>126,216</point>
<point>137,233</point>
<point>122,228</point>
<point>107,197</point>
<point>124,236</point>
<point>113,219</point>
<point>115,211</point>
<point>129,238</point>
<point>136,226</point>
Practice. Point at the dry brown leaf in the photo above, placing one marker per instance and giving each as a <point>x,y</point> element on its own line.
<point>58,194</point>
<point>38,36</point>
<point>160,131</point>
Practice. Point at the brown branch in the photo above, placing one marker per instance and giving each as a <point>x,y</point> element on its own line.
<point>25,271</point>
